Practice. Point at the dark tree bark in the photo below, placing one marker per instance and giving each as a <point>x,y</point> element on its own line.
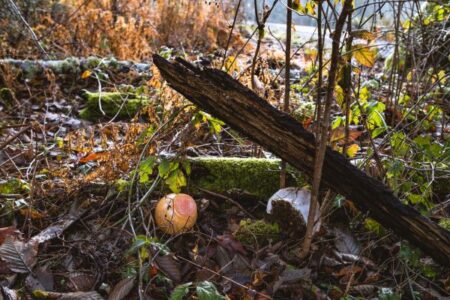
<point>219,94</point>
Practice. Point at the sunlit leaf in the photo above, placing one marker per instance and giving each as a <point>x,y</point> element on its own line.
<point>207,291</point>
<point>363,34</point>
<point>86,74</point>
<point>310,7</point>
<point>352,150</point>
<point>339,94</point>
<point>96,156</point>
<point>231,65</point>
<point>176,181</point>
<point>297,5</point>
<point>364,55</point>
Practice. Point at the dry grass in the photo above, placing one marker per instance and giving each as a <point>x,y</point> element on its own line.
<point>126,29</point>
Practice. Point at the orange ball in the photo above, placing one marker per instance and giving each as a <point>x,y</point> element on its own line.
<point>176,213</point>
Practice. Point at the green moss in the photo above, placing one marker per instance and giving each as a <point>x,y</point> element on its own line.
<point>445,223</point>
<point>125,105</point>
<point>255,176</point>
<point>257,233</point>
<point>6,97</point>
<point>14,186</point>
<point>92,62</point>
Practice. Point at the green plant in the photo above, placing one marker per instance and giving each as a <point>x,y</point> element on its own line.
<point>205,290</point>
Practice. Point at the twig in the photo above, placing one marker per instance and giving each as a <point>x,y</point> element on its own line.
<point>224,277</point>
<point>11,139</point>
<point>321,140</point>
<point>231,33</point>
<point>287,80</point>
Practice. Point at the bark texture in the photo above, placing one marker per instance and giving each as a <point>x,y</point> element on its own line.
<point>222,96</point>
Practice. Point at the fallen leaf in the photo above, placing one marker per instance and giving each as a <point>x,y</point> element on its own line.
<point>7,232</point>
<point>32,213</point>
<point>168,265</point>
<point>364,34</point>
<point>122,288</point>
<point>364,55</point>
<point>96,156</point>
<point>86,74</point>
<point>19,256</point>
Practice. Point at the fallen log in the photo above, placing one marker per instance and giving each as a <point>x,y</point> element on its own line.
<point>73,66</point>
<point>219,94</point>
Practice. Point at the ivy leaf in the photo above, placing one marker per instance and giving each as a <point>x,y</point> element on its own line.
<point>207,291</point>
<point>164,168</point>
<point>176,181</point>
<point>187,167</point>
<point>146,169</point>
<point>180,291</point>
<point>364,55</point>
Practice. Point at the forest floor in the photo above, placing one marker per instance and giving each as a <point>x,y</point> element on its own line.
<point>77,219</point>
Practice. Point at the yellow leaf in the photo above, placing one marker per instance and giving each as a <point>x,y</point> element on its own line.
<point>311,8</point>
<point>363,34</point>
<point>406,24</point>
<point>297,5</point>
<point>86,74</point>
<point>32,213</point>
<point>352,150</point>
<point>339,94</point>
<point>231,65</point>
<point>364,55</point>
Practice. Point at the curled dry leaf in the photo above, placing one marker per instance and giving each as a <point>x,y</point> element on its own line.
<point>10,231</point>
<point>92,295</point>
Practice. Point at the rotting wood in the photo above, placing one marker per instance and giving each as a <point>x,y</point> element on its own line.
<point>219,94</point>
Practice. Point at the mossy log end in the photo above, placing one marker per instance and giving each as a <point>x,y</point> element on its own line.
<point>219,94</point>
<point>256,177</point>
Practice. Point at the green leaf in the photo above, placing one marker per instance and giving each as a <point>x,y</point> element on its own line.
<point>186,166</point>
<point>207,291</point>
<point>176,181</point>
<point>146,169</point>
<point>14,186</point>
<point>399,144</point>
<point>164,168</point>
<point>180,291</point>
<point>377,131</point>
<point>139,241</point>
